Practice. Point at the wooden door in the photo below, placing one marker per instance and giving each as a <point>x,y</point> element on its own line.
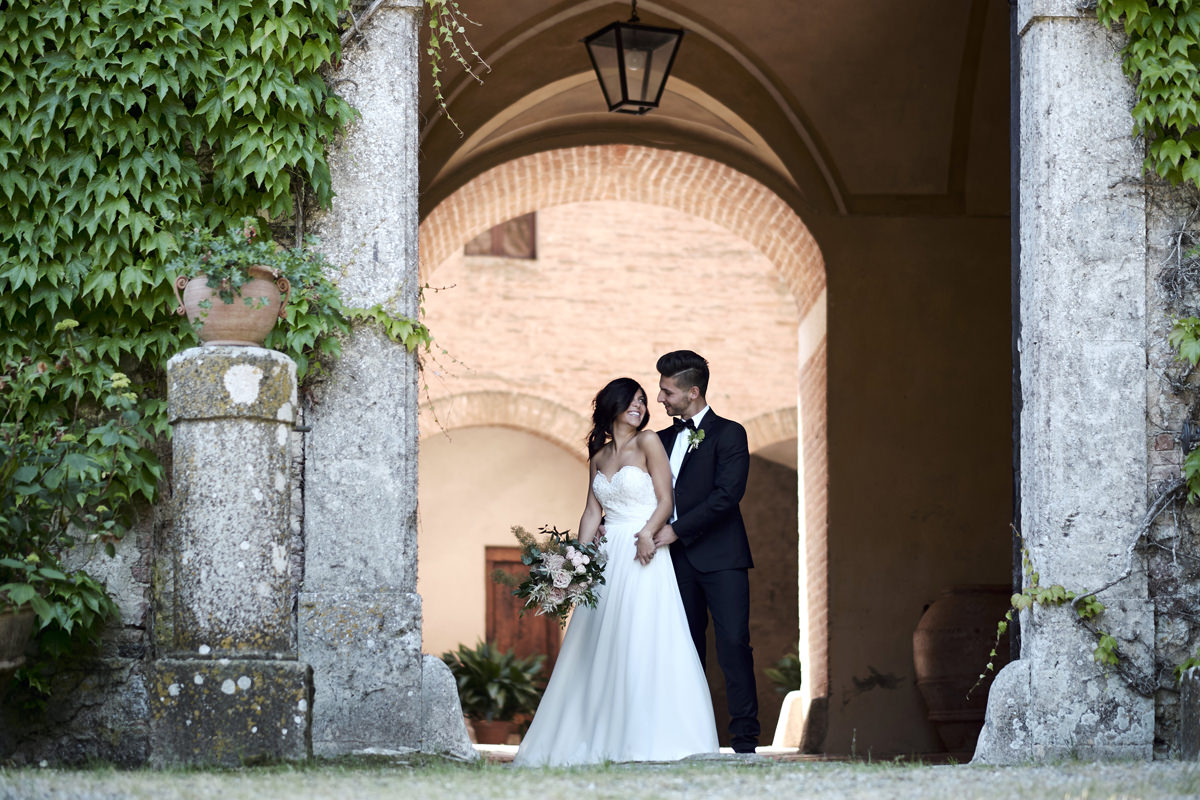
<point>524,635</point>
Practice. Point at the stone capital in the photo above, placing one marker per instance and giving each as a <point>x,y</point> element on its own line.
<point>1030,11</point>
<point>226,382</point>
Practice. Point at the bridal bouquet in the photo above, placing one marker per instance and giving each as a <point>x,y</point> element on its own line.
<point>563,572</point>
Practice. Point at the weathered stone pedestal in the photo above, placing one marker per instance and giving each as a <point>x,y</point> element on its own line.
<point>227,687</point>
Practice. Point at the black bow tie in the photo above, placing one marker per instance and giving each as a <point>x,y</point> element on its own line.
<point>683,423</point>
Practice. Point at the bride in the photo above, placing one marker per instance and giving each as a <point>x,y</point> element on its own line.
<point>628,685</point>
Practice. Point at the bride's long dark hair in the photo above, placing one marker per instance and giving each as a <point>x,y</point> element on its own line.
<point>611,402</point>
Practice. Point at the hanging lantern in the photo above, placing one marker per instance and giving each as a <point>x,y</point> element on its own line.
<point>632,62</point>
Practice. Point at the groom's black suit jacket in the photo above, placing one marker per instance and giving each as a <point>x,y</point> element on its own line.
<point>710,484</point>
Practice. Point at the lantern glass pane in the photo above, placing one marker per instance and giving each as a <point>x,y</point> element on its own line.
<point>603,49</point>
<point>647,56</point>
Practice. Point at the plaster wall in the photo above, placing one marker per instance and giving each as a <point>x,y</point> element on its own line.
<point>476,483</point>
<point>919,453</point>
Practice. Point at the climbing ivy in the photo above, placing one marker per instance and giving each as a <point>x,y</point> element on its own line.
<point>446,31</point>
<point>118,120</point>
<point>1162,57</point>
<point>1087,608</point>
<point>411,333</point>
<point>123,122</point>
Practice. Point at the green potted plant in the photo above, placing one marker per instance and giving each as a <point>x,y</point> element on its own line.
<point>496,688</point>
<point>60,483</point>
<point>233,284</point>
<point>786,674</point>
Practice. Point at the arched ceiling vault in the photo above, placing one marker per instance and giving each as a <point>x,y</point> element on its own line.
<point>871,107</point>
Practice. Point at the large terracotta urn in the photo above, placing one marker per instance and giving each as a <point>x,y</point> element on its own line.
<point>951,647</point>
<point>246,321</point>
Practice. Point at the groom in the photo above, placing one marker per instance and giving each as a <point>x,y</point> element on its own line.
<point>709,463</point>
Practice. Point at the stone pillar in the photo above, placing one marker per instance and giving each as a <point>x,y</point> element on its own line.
<point>359,611</point>
<point>227,687</point>
<point>1083,376</point>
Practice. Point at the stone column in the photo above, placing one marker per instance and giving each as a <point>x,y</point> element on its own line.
<point>227,686</point>
<point>1083,422</point>
<point>360,614</point>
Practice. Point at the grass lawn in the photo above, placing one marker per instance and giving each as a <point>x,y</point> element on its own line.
<point>426,779</point>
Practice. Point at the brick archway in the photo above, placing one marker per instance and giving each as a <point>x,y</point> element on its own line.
<point>689,183</point>
<point>770,428</point>
<point>528,413</point>
<point>717,193</point>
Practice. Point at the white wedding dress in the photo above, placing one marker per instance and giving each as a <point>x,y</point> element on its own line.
<point>627,685</point>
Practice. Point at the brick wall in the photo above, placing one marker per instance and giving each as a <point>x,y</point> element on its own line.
<point>615,285</point>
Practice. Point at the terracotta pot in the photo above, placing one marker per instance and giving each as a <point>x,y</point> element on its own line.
<point>496,731</point>
<point>950,650</point>
<point>240,322</point>
<point>15,629</point>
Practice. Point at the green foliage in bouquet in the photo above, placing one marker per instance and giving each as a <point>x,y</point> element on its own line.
<point>493,685</point>
<point>563,572</point>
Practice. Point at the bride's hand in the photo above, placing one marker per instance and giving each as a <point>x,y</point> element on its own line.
<point>645,548</point>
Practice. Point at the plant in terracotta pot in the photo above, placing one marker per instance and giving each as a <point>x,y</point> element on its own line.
<point>59,489</point>
<point>236,283</point>
<point>495,688</point>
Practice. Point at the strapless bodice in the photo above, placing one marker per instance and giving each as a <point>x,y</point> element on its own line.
<point>627,497</point>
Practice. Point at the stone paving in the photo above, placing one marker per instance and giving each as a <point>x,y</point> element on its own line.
<point>720,777</point>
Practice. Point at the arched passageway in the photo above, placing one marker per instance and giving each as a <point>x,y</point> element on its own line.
<point>887,133</point>
<point>896,160</point>
<point>751,381</point>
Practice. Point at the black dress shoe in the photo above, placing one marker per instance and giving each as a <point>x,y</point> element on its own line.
<point>744,748</point>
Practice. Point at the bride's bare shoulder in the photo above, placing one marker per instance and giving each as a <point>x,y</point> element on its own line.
<point>648,440</point>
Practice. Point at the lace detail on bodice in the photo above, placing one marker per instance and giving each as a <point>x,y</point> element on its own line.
<point>629,496</point>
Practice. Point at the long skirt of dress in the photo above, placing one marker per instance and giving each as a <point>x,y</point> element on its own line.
<point>628,685</point>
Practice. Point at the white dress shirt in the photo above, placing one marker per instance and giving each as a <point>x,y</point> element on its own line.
<point>680,450</point>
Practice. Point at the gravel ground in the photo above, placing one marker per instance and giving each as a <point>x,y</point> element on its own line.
<point>726,780</point>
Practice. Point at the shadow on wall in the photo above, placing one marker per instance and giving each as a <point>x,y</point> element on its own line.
<point>770,509</point>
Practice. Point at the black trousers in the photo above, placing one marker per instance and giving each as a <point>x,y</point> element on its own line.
<point>726,594</point>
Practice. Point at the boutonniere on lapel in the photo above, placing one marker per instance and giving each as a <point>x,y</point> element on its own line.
<point>695,437</point>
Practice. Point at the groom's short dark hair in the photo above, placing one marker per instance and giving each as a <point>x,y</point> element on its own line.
<point>688,369</point>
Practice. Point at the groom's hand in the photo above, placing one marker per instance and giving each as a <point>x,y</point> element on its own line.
<point>665,535</point>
